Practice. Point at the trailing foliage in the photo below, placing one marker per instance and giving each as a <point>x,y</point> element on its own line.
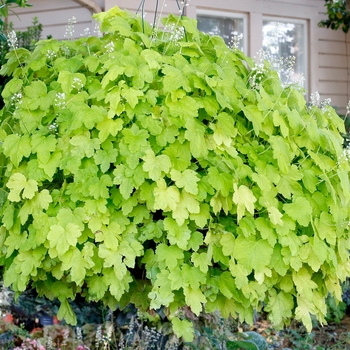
<point>158,168</point>
<point>338,15</point>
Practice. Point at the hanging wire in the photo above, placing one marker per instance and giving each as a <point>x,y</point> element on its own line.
<point>178,5</point>
<point>155,15</point>
<point>182,14</point>
<point>142,6</point>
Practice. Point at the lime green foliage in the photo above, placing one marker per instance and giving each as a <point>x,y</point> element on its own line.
<point>142,168</point>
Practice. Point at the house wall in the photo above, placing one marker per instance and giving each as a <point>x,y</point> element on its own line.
<point>53,15</point>
<point>328,51</point>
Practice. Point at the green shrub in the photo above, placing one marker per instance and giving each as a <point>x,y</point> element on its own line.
<point>165,169</point>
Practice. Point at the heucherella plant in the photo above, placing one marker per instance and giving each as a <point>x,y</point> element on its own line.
<point>139,167</point>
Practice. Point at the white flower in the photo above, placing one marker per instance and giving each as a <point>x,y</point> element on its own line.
<point>77,83</point>
<point>315,99</point>
<point>60,100</point>
<point>50,54</point>
<point>12,39</point>
<point>70,28</point>
<point>110,47</point>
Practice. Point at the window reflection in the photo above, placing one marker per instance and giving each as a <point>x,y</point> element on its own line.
<point>281,42</point>
<point>226,27</point>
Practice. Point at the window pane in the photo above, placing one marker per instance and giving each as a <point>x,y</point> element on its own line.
<point>226,27</point>
<point>283,40</point>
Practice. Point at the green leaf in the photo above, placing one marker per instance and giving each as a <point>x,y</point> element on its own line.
<point>156,166</point>
<point>201,218</point>
<point>61,238</point>
<point>184,108</point>
<point>16,147</point>
<point>12,87</point>
<point>241,344</point>
<point>85,115</point>
<point>240,274</point>
<point>201,260</point>
<point>106,156</point>
<point>109,127</point>
<point>187,179</point>
<point>169,254</point>
<point>275,216</point>
<point>183,328</point>
<point>66,313</point>
<point>251,253</point>
<point>345,184</point>
<point>302,312</point>
<point>323,161</point>
<point>70,81</point>
<point>177,234</point>
<point>112,259</point>
<point>131,96</point>
<point>299,210</point>
<point>174,79</point>
<point>119,25</point>
<point>228,287</point>
<point>92,63</point>
<point>280,306</point>
<point>187,205</point>
<point>29,261</point>
<point>110,235</point>
<point>195,299</point>
<point>303,282</point>
<point>254,116</point>
<point>266,231</point>
<point>162,292</point>
<point>136,138</point>
<point>71,64</point>
<point>77,262</point>
<point>166,198</point>
<point>43,146</point>
<point>281,152</point>
<point>112,75</point>
<point>84,146</point>
<point>195,134</point>
<point>220,181</point>
<point>224,129</point>
<point>195,241</point>
<point>18,182</point>
<point>244,199</point>
<point>277,261</point>
<point>278,120</point>
<point>326,228</point>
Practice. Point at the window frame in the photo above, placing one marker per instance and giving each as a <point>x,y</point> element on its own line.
<point>229,14</point>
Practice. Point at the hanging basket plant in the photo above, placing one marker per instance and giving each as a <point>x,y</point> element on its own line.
<point>162,168</point>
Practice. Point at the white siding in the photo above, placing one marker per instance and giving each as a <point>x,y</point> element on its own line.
<point>333,68</point>
<point>53,15</point>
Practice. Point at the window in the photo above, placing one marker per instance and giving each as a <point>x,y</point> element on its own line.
<point>225,25</point>
<point>282,40</point>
